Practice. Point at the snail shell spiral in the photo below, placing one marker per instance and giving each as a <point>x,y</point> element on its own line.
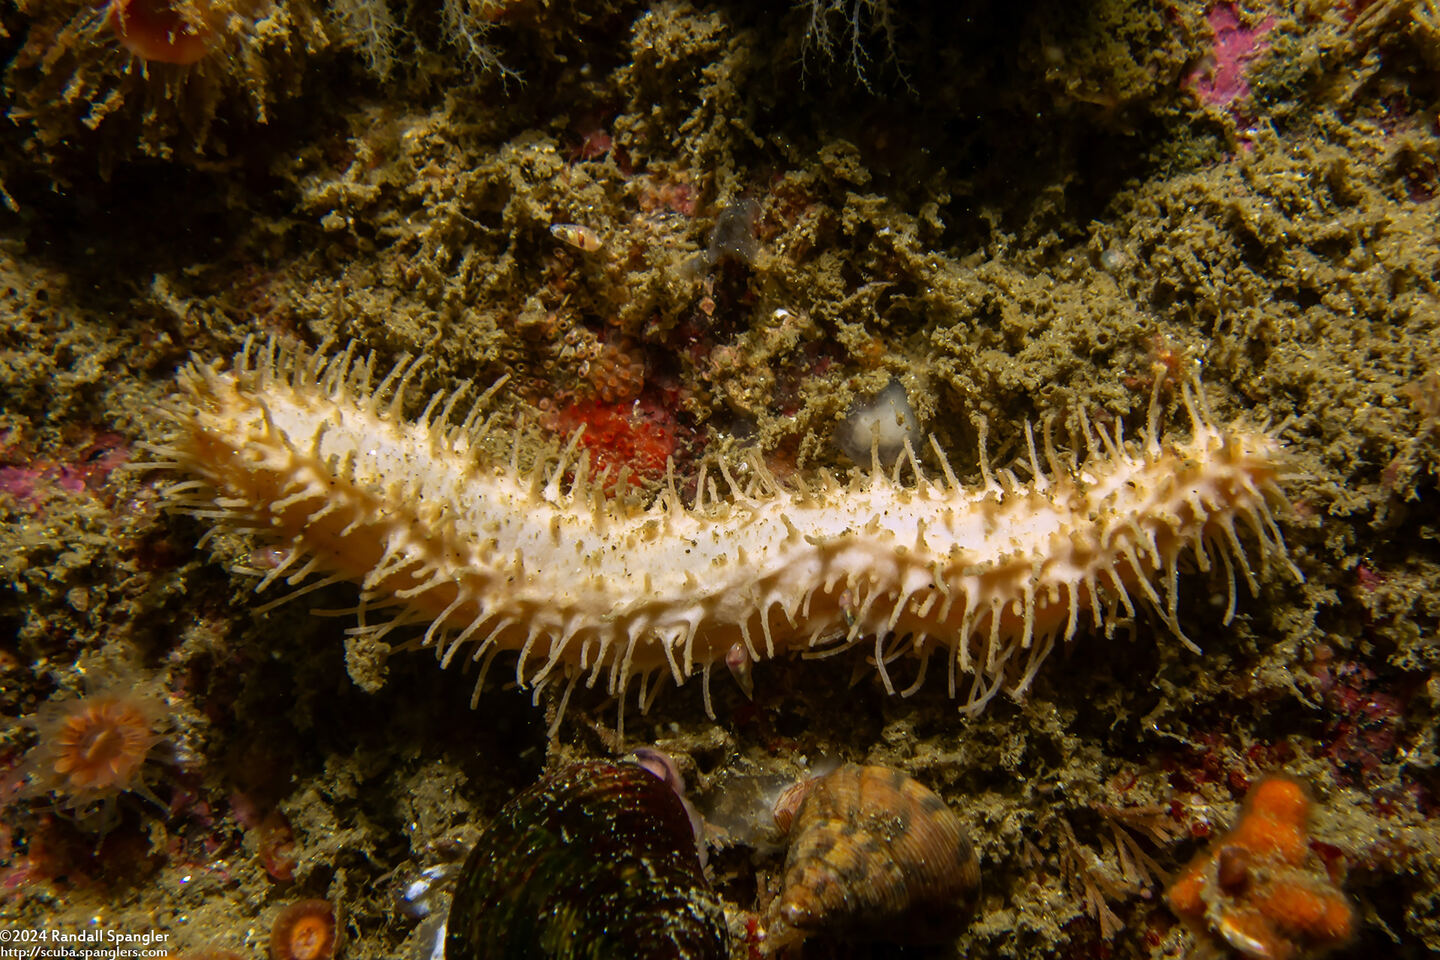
<point>874,855</point>
<point>595,860</point>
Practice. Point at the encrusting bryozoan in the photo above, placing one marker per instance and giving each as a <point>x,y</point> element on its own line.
<point>492,557</point>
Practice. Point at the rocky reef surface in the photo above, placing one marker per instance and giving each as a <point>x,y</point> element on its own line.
<point>699,230</point>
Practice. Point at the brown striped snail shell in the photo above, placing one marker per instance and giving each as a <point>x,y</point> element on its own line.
<point>595,860</point>
<point>874,855</point>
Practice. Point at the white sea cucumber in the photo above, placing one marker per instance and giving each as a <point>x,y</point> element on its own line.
<point>537,560</point>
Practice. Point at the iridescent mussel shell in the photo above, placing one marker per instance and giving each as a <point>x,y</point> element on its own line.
<point>596,860</point>
<point>874,855</point>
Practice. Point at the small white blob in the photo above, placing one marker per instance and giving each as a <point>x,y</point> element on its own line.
<point>884,422</point>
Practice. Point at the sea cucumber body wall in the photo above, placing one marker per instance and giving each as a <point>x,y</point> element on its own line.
<point>539,562</point>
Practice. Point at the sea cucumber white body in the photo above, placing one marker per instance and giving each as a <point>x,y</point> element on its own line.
<point>491,558</point>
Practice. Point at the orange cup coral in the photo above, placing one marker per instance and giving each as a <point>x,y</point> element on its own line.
<point>304,931</point>
<point>1259,889</point>
<point>113,79</point>
<point>161,31</point>
<point>93,748</point>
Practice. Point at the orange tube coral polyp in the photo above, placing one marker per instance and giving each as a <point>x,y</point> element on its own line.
<point>1259,891</point>
<point>1279,798</point>
<point>154,30</point>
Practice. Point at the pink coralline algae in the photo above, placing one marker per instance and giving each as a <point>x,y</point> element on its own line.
<point>80,467</point>
<point>1219,79</point>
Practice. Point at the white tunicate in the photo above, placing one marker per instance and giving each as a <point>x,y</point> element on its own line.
<point>413,898</point>
<point>884,423</point>
<point>427,891</point>
<point>429,939</point>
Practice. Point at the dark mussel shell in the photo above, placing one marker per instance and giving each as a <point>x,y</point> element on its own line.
<point>597,860</point>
